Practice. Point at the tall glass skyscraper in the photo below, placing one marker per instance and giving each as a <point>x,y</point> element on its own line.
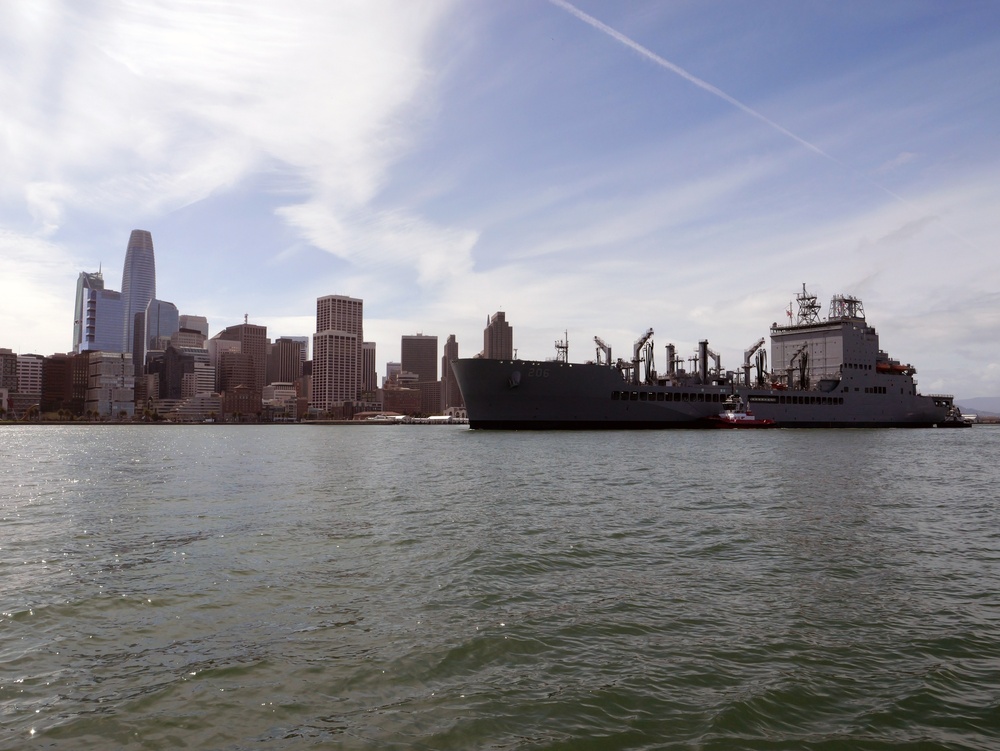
<point>97,316</point>
<point>138,282</point>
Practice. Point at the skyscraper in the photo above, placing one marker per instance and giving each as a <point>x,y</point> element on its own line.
<point>284,359</point>
<point>337,351</point>
<point>451,395</point>
<point>253,342</point>
<point>138,282</point>
<point>498,338</point>
<point>418,353</point>
<point>97,315</point>
<point>369,371</point>
<point>162,321</point>
<point>194,323</point>
<point>152,330</point>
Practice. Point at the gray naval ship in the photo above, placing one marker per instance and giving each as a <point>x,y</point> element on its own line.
<point>824,374</point>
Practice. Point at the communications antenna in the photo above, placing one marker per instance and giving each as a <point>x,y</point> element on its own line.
<point>562,348</point>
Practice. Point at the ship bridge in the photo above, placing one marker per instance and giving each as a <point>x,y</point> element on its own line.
<point>811,351</point>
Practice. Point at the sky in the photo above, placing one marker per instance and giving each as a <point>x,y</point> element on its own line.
<point>589,168</point>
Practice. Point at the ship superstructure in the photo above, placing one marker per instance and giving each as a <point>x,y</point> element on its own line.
<point>824,373</point>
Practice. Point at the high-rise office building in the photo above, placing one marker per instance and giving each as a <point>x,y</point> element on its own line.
<point>498,338</point>
<point>418,353</point>
<point>151,331</point>
<point>138,282</point>
<point>194,323</point>
<point>188,338</point>
<point>285,358</point>
<point>451,395</point>
<point>253,342</point>
<point>29,374</point>
<point>235,369</point>
<point>64,383</point>
<point>162,322</point>
<point>337,351</point>
<point>369,371</point>
<point>97,315</point>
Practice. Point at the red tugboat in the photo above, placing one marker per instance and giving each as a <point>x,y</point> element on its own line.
<point>735,414</point>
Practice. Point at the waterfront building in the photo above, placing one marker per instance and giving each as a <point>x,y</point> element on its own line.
<point>241,404</point>
<point>110,385</point>
<point>29,374</point>
<point>430,398</point>
<point>97,315</point>
<point>498,338</point>
<point>64,383</point>
<point>138,283</point>
<point>198,408</point>
<point>29,384</point>
<point>280,400</point>
<point>401,400</point>
<point>337,351</point>
<point>8,370</point>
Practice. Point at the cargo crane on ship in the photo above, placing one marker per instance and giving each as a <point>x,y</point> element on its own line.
<point>754,348</point>
<point>603,351</point>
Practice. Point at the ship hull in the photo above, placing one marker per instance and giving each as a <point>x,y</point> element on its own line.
<point>527,395</point>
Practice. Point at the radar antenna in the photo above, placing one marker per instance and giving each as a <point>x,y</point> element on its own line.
<point>808,307</point>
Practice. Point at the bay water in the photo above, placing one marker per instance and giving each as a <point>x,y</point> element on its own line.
<point>435,587</point>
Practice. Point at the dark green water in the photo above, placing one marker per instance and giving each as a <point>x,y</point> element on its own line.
<point>415,587</point>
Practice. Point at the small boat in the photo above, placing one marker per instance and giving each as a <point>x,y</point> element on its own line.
<point>735,414</point>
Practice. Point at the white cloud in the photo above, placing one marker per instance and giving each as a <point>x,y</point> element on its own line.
<point>42,282</point>
<point>386,242</point>
<point>159,104</point>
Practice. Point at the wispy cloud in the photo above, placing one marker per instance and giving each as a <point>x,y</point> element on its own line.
<point>157,105</point>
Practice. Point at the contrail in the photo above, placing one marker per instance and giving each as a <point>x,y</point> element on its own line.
<point>650,55</point>
<point>706,86</point>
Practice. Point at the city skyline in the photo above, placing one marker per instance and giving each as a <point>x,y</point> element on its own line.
<point>675,166</point>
